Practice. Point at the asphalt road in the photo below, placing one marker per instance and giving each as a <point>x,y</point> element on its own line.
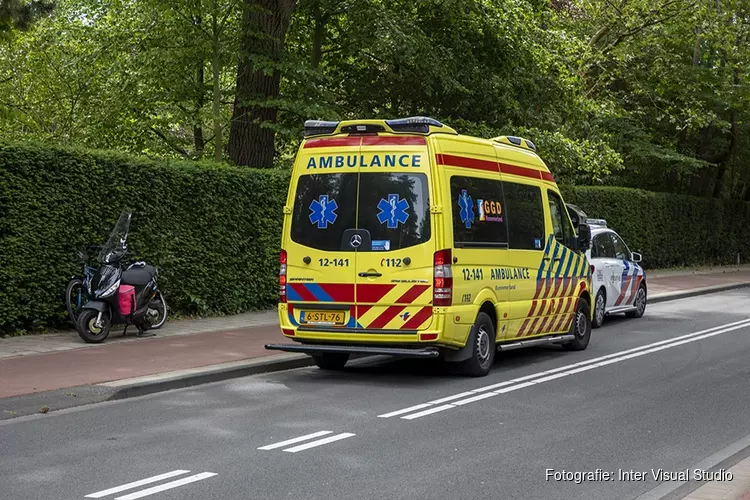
<point>621,406</point>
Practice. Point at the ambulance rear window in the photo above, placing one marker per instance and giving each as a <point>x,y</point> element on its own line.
<point>393,208</point>
<point>324,207</point>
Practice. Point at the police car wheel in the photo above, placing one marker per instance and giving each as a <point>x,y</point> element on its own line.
<point>330,360</point>
<point>639,303</point>
<point>599,309</point>
<point>581,328</point>
<point>482,349</point>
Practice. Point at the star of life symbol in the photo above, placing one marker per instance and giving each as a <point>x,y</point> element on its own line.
<point>393,211</point>
<point>467,209</point>
<point>323,211</point>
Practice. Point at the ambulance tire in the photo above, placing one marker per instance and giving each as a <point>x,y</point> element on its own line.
<point>330,360</point>
<point>482,358</point>
<point>640,303</point>
<point>599,307</point>
<point>581,327</point>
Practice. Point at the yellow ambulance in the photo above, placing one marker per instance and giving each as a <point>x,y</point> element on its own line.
<point>404,238</point>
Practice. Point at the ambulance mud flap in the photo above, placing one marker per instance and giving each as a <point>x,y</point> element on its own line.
<point>425,352</point>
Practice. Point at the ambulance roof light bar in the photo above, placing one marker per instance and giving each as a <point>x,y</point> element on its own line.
<point>320,127</point>
<point>516,141</point>
<point>414,124</point>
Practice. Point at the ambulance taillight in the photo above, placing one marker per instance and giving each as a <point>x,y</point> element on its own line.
<point>282,276</point>
<point>442,279</point>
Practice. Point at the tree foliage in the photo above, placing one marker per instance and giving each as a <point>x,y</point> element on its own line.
<point>639,93</point>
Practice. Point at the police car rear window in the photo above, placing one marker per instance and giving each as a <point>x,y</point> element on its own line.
<point>393,208</point>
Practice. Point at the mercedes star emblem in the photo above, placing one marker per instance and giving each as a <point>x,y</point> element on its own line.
<point>356,241</point>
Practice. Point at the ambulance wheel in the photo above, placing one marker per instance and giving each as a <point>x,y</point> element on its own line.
<point>330,360</point>
<point>581,328</point>
<point>483,347</point>
<point>639,303</point>
<point>599,309</point>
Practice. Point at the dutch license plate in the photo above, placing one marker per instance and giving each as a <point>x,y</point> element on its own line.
<point>323,317</point>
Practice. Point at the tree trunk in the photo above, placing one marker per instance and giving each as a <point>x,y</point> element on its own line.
<point>697,47</point>
<point>265,23</point>
<point>198,140</point>
<point>216,72</point>
<point>722,169</point>
<point>318,37</point>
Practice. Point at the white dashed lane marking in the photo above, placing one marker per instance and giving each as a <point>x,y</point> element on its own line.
<point>320,442</point>
<point>154,489</point>
<point>308,437</point>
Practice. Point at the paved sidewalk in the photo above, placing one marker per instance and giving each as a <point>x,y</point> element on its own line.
<point>38,363</point>
<point>736,489</point>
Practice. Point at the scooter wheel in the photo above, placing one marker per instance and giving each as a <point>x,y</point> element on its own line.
<point>87,329</point>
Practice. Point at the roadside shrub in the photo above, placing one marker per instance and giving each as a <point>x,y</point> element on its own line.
<point>670,230</point>
<point>214,230</point>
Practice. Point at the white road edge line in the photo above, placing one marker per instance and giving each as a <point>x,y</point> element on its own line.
<point>320,442</point>
<point>589,365</point>
<point>557,370</point>
<point>135,484</point>
<point>167,486</point>
<point>295,440</point>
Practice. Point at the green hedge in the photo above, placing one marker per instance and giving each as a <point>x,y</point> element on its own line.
<point>214,230</point>
<point>670,230</point>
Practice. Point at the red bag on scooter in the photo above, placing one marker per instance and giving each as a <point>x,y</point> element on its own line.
<point>127,299</point>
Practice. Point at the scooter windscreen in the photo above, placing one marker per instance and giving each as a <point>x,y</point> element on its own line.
<point>116,247</point>
<point>106,281</point>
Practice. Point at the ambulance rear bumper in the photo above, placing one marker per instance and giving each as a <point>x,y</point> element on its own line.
<point>402,352</point>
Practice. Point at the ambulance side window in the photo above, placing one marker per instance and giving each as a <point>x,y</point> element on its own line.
<point>478,213</point>
<point>523,204</point>
<point>561,225</point>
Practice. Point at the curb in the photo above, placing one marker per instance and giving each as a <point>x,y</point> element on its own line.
<point>142,386</point>
<point>684,294</point>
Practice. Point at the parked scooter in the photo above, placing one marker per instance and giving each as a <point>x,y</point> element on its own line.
<point>117,296</point>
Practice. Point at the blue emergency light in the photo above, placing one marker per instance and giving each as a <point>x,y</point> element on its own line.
<point>419,124</point>
<point>319,127</point>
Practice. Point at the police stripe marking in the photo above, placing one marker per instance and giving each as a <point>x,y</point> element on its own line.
<point>625,282</point>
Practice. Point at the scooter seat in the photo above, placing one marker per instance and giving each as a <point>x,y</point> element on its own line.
<point>139,276</point>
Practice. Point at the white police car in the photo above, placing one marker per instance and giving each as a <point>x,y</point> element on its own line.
<point>618,281</point>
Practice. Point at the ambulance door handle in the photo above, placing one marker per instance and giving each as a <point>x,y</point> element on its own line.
<point>370,275</point>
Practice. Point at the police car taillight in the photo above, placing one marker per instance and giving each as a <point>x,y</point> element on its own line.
<point>442,279</point>
<point>282,276</point>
